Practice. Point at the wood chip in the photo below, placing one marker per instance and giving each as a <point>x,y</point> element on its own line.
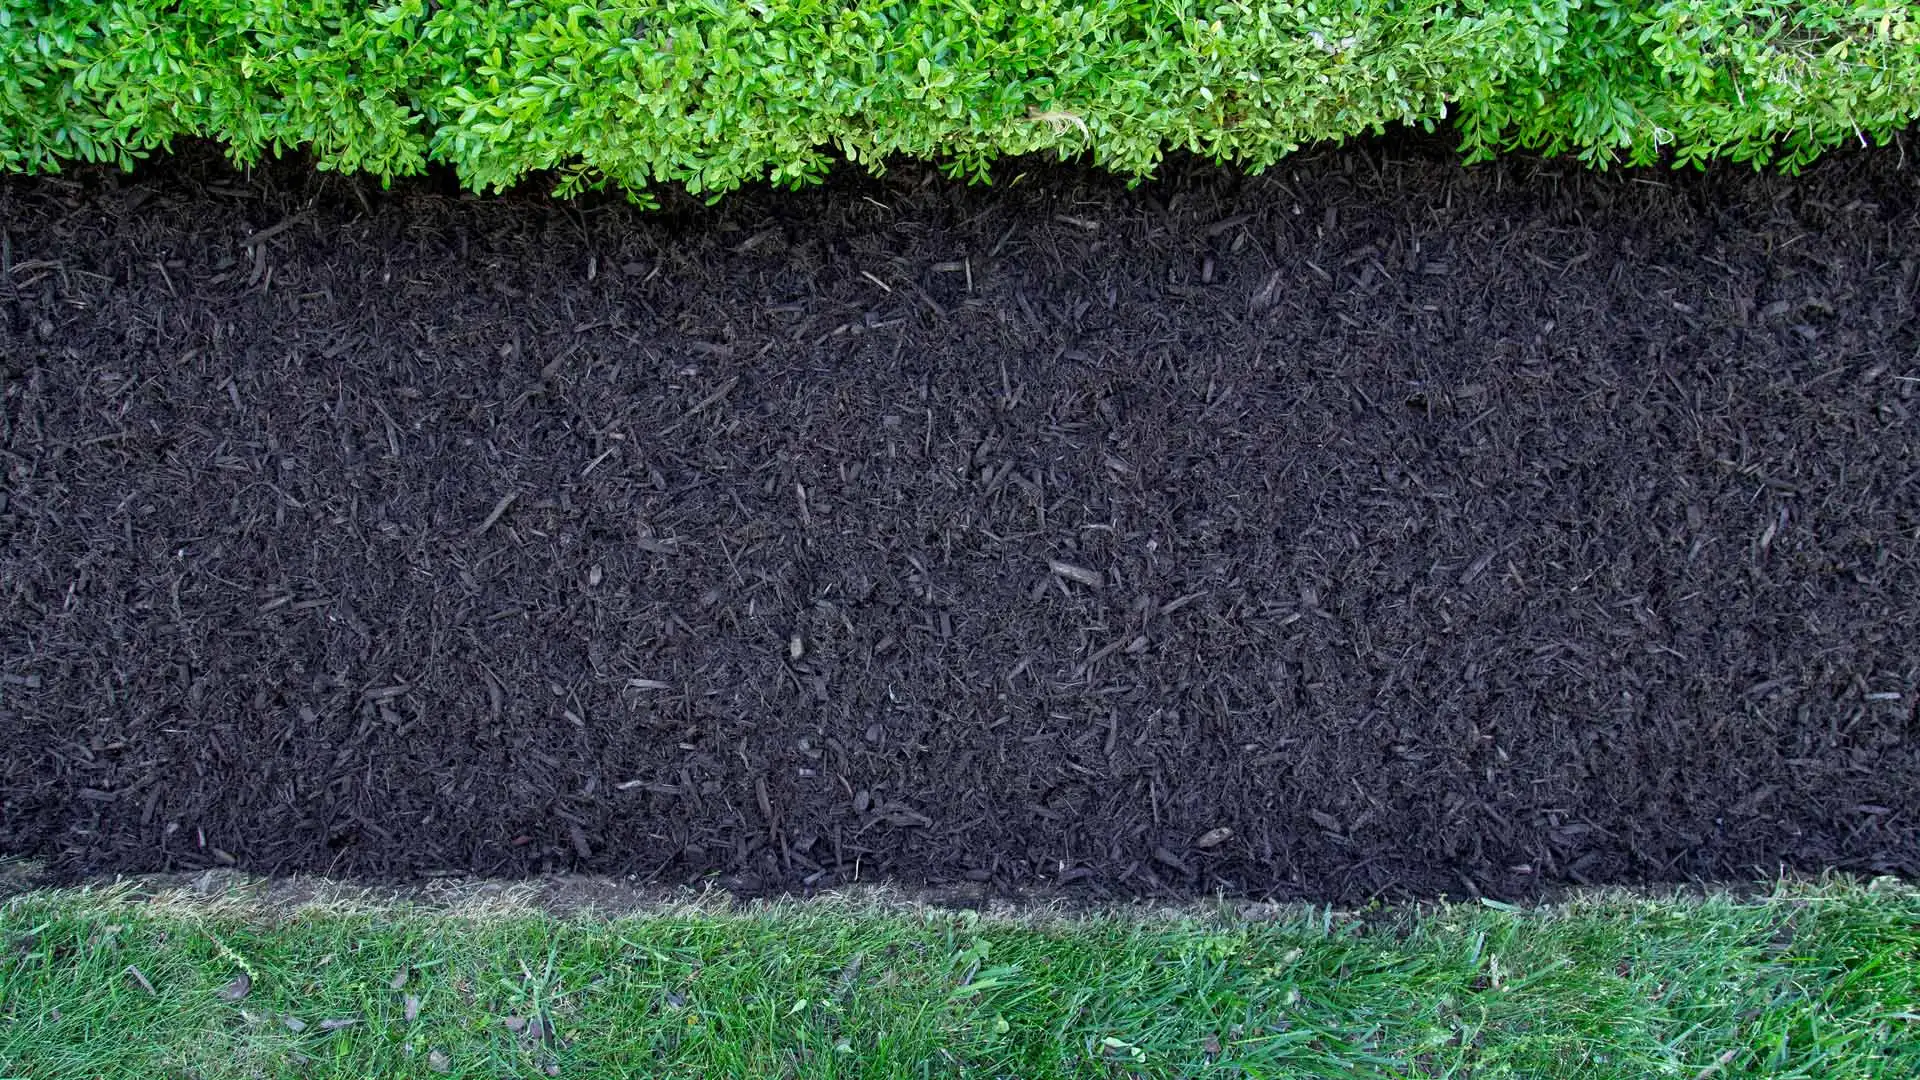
<point>139,977</point>
<point>493,515</point>
<point>1478,567</point>
<point>238,989</point>
<point>1179,602</point>
<point>1726,1057</point>
<point>1092,579</point>
<point>699,407</point>
<point>1213,838</point>
<point>1221,228</point>
<point>271,231</point>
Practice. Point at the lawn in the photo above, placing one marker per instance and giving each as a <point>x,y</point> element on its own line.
<point>1818,980</point>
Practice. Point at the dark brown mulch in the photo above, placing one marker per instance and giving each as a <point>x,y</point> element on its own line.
<point>1380,526</point>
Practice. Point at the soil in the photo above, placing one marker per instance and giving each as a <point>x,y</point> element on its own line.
<point>1377,527</point>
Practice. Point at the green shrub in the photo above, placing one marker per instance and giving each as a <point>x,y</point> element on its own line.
<point>1751,80</point>
<point>715,93</point>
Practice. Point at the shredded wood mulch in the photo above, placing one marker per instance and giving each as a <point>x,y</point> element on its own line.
<point>1377,527</point>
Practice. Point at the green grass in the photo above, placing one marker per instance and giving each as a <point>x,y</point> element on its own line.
<point>1811,980</point>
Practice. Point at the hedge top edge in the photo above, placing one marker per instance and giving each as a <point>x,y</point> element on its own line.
<point>713,94</point>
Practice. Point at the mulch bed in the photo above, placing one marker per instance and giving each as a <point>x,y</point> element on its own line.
<point>1377,527</point>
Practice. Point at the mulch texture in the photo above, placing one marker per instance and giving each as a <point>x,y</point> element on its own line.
<point>1375,527</point>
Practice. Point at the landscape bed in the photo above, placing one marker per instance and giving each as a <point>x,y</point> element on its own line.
<point>1377,617</point>
<point>1379,527</point>
<point>226,978</point>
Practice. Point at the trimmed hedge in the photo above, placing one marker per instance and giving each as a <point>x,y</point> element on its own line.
<point>716,93</point>
<point>1764,81</point>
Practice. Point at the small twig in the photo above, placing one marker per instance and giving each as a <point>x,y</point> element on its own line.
<point>272,231</point>
<point>700,406</point>
<point>494,515</point>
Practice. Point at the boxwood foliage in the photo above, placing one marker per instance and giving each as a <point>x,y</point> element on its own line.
<point>715,93</point>
<point>1766,81</point>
